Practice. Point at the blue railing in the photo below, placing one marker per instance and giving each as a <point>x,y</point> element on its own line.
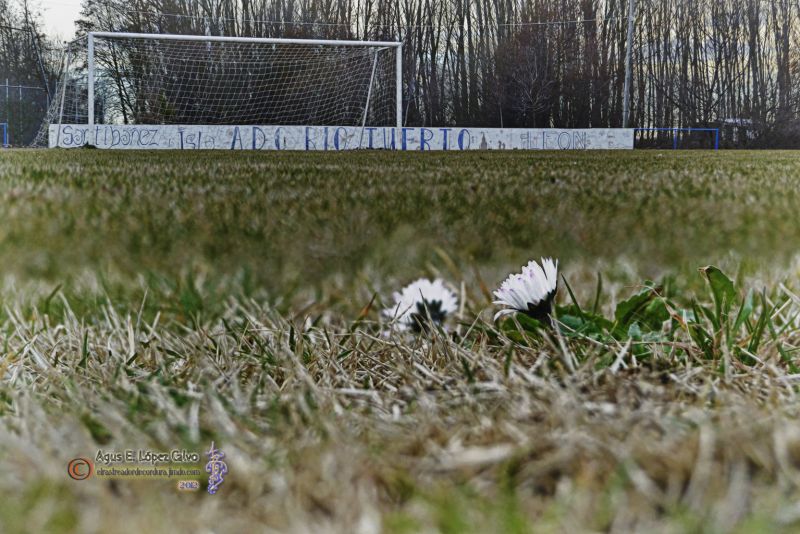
<point>676,130</point>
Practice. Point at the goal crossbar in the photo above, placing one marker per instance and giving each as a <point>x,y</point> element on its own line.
<point>223,39</point>
<point>91,67</point>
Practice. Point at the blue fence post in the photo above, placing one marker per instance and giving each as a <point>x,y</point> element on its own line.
<point>4,125</point>
<point>716,138</point>
<point>674,139</point>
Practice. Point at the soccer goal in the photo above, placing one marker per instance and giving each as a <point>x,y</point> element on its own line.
<point>128,79</point>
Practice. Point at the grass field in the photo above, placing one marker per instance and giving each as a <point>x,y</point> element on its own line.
<point>166,300</point>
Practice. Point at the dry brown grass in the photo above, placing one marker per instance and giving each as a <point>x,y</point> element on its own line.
<point>150,302</point>
<point>357,432</point>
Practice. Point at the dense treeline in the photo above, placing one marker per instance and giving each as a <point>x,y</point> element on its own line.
<point>559,63</point>
<point>734,63</point>
<point>27,70</point>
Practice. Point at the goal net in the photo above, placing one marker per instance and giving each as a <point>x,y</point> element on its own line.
<point>111,78</point>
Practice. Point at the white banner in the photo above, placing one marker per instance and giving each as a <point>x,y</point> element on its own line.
<point>336,138</point>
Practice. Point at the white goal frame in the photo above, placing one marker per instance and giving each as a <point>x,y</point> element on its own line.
<point>396,45</point>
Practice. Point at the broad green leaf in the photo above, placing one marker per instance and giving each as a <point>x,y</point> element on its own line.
<point>645,307</point>
<point>722,289</point>
<point>585,323</point>
<point>627,309</point>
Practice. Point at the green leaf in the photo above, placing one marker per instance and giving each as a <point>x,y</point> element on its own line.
<point>722,289</point>
<point>745,310</point>
<point>585,323</point>
<point>507,360</point>
<point>597,293</point>
<point>84,350</point>
<point>574,300</point>
<point>528,328</point>
<point>708,313</point>
<point>645,307</point>
<point>50,298</point>
<point>656,313</point>
<point>470,376</point>
<point>699,334</point>
<point>761,324</point>
<point>703,339</point>
<point>626,310</point>
<point>529,324</point>
<point>635,331</point>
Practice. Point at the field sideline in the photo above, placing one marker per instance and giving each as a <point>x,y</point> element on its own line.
<point>167,300</point>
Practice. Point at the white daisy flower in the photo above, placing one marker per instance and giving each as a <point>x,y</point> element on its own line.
<point>530,292</point>
<point>417,300</point>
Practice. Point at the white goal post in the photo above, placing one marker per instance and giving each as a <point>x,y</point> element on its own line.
<point>368,45</point>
